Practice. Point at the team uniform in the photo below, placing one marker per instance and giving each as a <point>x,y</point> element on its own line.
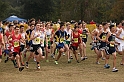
<point>35,43</point>
<point>61,38</point>
<point>16,44</point>
<point>83,34</point>
<point>111,47</point>
<point>75,41</point>
<point>103,44</point>
<point>42,39</point>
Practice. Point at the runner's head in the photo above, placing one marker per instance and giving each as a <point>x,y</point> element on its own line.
<point>68,25</point>
<point>99,26</point>
<point>17,29</point>
<point>37,26</point>
<point>123,25</point>
<point>84,25</point>
<point>76,28</point>
<point>80,24</point>
<point>62,26</point>
<point>32,26</point>
<point>112,28</point>
<point>47,25</point>
<point>21,28</point>
<point>11,26</point>
<point>105,25</point>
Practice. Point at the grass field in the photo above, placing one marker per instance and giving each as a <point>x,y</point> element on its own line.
<point>85,71</point>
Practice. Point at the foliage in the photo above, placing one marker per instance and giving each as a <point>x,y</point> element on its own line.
<point>66,10</point>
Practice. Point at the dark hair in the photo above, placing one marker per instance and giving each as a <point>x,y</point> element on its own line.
<point>37,23</point>
<point>21,26</point>
<point>51,24</point>
<point>110,27</point>
<point>31,24</point>
<point>62,24</point>
<point>79,23</point>
<point>10,25</point>
<point>122,24</point>
<point>16,27</point>
<point>104,23</point>
<point>75,27</point>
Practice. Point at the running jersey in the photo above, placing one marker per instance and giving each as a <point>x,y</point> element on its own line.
<point>16,43</point>
<point>103,36</point>
<point>23,36</point>
<point>9,44</point>
<point>42,38</point>
<point>60,36</point>
<point>48,35</point>
<point>111,39</point>
<point>29,33</point>
<point>69,34</point>
<point>76,39</point>
<point>36,41</point>
<point>122,36</point>
<point>83,35</point>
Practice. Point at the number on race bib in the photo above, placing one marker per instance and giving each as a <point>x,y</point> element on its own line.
<point>104,37</point>
<point>37,40</point>
<point>16,44</point>
<point>61,40</point>
<point>75,40</point>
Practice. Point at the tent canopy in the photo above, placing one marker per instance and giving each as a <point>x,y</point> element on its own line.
<point>14,18</point>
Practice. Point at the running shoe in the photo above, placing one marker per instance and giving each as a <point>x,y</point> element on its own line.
<point>69,61</point>
<point>85,57</point>
<point>26,65</point>
<point>114,70</point>
<point>107,66</point>
<point>21,68</point>
<point>38,67</point>
<point>71,57</point>
<point>56,62</point>
<point>78,61</point>
<point>97,63</point>
<point>82,58</point>
<point>6,59</point>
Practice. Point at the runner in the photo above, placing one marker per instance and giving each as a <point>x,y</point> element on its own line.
<point>68,41</point>
<point>76,40</point>
<point>48,32</point>
<point>29,43</point>
<point>8,43</point>
<point>95,42</point>
<point>16,38</point>
<point>111,48</point>
<point>84,34</point>
<point>22,44</point>
<point>36,46</point>
<point>121,43</point>
<point>62,35</point>
<point>102,38</point>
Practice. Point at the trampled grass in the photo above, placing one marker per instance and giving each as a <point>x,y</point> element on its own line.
<point>85,71</point>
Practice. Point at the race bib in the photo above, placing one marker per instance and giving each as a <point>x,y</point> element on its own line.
<point>84,36</point>
<point>61,40</point>
<point>16,44</point>
<point>37,40</point>
<point>103,37</point>
<point>75,40</point>
<point>111,45</point>
<point>48,37</point>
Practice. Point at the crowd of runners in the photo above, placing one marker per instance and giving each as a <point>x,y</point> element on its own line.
<point>40,39</point>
